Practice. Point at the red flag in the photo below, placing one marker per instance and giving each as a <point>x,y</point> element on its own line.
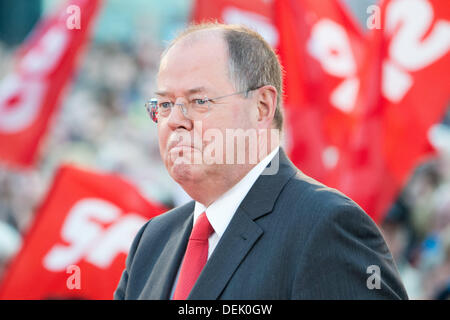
<point>79,239</point>
<point>405,90</point>
<point>322,50</point>
<point>30,94</point>
<point>416,81</point>
<point>256,14</point>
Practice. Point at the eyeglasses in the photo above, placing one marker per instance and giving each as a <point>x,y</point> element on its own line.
<point>195,109</point>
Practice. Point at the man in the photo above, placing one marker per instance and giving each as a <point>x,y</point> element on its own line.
<point>254,230</point>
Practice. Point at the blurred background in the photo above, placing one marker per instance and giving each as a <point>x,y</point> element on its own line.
<point>101,124</point>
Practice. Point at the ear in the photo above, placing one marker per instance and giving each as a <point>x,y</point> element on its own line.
<point>267,103</point>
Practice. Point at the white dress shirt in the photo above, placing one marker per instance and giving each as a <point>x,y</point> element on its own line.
<point>221,211</point>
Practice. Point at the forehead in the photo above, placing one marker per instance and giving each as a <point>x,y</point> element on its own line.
<point>194,62</point>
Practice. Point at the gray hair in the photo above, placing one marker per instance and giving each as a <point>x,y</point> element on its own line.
<point>252,61</point>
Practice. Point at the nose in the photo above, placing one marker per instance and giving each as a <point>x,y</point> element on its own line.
<point>177,119</point>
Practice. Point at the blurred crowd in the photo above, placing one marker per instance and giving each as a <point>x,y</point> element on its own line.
<point>103,125</point>
<point>417,227</point>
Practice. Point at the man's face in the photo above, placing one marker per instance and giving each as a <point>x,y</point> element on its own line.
<point>193,70</point>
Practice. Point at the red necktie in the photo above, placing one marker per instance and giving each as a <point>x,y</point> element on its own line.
<point>194,258</point>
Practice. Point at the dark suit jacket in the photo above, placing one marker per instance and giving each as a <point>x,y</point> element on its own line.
<point>290,238</point>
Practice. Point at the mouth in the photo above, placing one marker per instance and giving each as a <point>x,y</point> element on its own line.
<point>175,144</point>
<point>181,143</point>
<point>179,148</point>
<point>183,148</point>
<point>180,154</point>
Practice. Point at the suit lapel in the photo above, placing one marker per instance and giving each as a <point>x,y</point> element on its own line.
<point>242,232</point>
<point>159,284</point>
<point>261,198</point>
<point>236,242</point>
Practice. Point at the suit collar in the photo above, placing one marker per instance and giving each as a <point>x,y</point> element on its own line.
<point>262,196</point>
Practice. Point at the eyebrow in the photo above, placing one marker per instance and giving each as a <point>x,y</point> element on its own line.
<point>188,92</point>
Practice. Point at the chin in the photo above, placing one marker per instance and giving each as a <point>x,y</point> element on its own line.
<point>184,173</point>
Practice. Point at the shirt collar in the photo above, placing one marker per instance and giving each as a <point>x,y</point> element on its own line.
<point>221,211</point>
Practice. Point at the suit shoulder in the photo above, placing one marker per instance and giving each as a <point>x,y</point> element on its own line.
<point>164,223</point>
<point>316,201</point>
<point>309,191</point>
<point>174,214</point>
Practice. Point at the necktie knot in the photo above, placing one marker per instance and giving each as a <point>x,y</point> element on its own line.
<point>202,228</point>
